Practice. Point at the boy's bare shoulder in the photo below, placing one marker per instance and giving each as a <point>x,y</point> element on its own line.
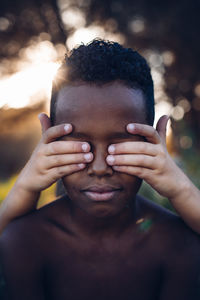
<point>177,249</point>
<point>24,246</point>
<point>29,230</point>
<point>168,231</point>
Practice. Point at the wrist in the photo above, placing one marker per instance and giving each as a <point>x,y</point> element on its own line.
<point>183,191</point>
<point>23,189</point>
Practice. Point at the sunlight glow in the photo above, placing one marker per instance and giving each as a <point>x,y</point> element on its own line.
<point>85,35</point>
<point>32,83</point>
<point>23,88</point>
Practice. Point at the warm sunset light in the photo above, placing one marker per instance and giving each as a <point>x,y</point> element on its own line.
<point>32,83</point>
<point>27,86</point>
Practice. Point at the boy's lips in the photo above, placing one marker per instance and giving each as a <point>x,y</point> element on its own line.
<point>101,192</point>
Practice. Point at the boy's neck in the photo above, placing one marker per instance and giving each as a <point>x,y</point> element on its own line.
<point>100,227</point>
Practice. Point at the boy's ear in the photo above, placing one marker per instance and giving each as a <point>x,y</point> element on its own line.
<point>44,121</point>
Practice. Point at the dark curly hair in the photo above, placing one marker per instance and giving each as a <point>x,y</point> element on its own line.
<point>101,62</point>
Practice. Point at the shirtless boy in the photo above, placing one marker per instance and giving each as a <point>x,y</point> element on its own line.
<point>102,241</point>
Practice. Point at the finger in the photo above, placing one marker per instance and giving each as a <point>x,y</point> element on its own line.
<point>66,147</point>
<point>134,171</point>
<point>133,148</point>
<point>62,171</point>
<point>161,127</point>
<point>44,122</point>
<point>131,160</point>
<point>68,159</point>
<point>144,130</point>
<point>56,132</point>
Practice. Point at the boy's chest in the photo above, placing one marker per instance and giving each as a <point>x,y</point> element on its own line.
<point>100,273</point>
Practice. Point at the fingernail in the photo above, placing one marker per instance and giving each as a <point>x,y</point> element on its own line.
<point>111,149</point>
<point>85,147</point>
<point>88,156</point>
<point>39,115</point>
<point>131,126</point>
<point>67,127</point>
<point>110,159</point>
<point>81,166</point>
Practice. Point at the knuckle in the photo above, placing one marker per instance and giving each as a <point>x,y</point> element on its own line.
<point>119,159</point>
<point>154,132</point>
<point>162,165</point>
<point>45,135</point>
<point>140,172</point>
<point>121,147</point>
<point>73,168</point>
<point>39,153</point>
<point>157,171</point>
<point>41,170</point>
<point>56,160</point>
<point>59,172</point>
<point>75,146</point>
<point>144,160</point>
<point>162,153</point>
<point>142,147</point>
<point>140,160</point>
<point>53,148</point>
<point>157,136</point>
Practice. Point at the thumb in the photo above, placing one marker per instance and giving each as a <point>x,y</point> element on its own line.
<point>44,122</point>
<point>161,127</point>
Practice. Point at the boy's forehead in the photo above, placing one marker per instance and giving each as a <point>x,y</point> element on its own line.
<point>113,101</point>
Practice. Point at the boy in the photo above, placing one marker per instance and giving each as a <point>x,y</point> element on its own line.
<point>101,240</point>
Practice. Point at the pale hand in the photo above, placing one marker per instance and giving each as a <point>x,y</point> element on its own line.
<point>149,160</point>
<point>53,158</point>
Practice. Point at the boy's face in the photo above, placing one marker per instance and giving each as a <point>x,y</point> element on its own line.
<point>99,116</point>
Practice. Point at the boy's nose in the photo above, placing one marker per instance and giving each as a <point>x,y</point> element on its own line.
<point>98,166</point>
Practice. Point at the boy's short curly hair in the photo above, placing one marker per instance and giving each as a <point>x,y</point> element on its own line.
<point>100,62</point>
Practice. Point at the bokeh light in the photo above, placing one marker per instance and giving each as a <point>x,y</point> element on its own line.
<point>73,18</point>
<point>185,142</point>
<point>4,24</point>
<point>137,25</point>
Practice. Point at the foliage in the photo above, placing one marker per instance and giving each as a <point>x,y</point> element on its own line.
<point>149,193</point>
<point>46,196</point>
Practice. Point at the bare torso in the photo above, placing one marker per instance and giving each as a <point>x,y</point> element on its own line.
<point>146,261</point>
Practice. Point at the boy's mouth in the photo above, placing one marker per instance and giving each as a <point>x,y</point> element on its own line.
<point>101,192</point>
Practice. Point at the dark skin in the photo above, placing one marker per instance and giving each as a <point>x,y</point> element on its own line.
<point>124,247</point>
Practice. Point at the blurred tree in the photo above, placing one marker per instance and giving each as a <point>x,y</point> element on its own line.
<point>21,20</point>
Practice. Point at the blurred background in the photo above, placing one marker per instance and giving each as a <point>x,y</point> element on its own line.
<point>35,35</point>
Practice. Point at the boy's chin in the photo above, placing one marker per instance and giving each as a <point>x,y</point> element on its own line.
<point>96,208</point>
<point>103,212</point>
